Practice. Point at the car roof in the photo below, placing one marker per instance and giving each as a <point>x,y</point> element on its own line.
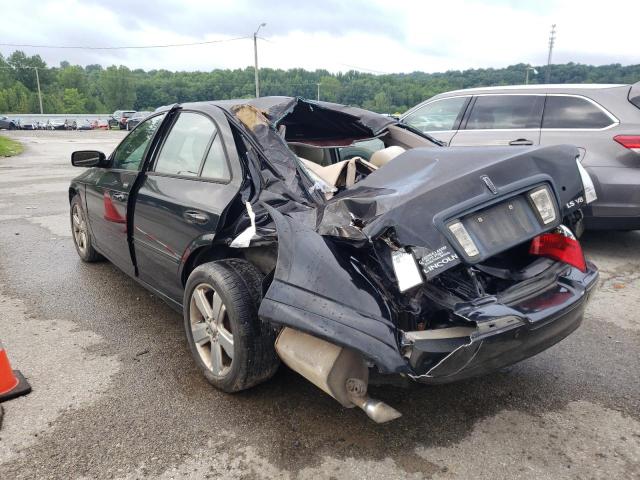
<point>536,88</point>
<point>279,106</point>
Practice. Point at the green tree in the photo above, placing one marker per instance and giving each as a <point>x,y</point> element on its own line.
<point>16,99</point>
<point>118,89</point>
<point>330,88</point>
<point>73,77</point>
<point>100,90</point>
<point>73,101</point>
<point>381,103</point>
<point>25,70</point>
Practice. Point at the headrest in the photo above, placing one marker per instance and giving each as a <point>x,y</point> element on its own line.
<point>384,156</point>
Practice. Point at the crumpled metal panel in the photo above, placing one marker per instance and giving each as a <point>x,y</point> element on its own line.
<point>320,288</point>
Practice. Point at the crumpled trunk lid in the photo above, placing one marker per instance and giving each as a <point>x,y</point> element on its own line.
<point>419,191</point>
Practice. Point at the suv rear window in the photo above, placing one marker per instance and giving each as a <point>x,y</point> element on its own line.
<point>506,111</point>
<point>573,112</point>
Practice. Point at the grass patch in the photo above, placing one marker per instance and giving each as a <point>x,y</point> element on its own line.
<point>9,147</point>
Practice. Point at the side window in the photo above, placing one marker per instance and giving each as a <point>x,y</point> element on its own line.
<point>128,155</point>
<point>506,111</point>
<point>215,165</point>
<point>436,116</point>
<point>573,112</point>
<point>186,145</point>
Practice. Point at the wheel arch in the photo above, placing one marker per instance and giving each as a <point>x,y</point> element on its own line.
<point>73,191</point>
<point>263,258</point>
<point>201,250</point>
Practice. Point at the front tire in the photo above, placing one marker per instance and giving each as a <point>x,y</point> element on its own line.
<point>231,346</point>
<point>80,232</point>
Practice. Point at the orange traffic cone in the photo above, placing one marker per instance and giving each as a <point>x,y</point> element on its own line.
<point>12,383</point>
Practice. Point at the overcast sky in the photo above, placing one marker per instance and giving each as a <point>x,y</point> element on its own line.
<point>368,35</point>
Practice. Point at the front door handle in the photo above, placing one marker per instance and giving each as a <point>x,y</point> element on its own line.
<point>196,217</point>
<point>521,141</point>
<point>121,197</point>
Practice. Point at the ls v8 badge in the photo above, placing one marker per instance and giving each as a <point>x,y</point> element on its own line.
<point>576,202</point>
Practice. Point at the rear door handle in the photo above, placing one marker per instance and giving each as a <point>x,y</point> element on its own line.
<point>521,141</point>
<point>198,218</point>
<point>121,197</point>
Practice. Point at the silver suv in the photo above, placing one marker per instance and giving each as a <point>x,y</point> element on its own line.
<point>603,121</point>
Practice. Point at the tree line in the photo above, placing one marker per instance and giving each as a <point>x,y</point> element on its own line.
<point>94,89</point>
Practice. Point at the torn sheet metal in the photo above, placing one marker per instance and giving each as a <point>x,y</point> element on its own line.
<point>331,280</point>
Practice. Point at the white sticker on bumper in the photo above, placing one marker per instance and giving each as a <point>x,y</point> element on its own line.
<point>406,270</point>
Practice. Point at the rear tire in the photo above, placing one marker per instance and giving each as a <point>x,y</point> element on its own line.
<point>232,347</point>
<point>80,232</point>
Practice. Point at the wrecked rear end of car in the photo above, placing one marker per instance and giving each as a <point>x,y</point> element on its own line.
<point>439,265</point>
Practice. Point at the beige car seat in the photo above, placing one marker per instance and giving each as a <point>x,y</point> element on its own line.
<point>384,156</point>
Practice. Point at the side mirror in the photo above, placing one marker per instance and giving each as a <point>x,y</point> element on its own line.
<point>88,158</point>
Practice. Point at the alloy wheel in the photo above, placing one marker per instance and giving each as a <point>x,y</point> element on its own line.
<point>79,227</point>
<point>211,329</point>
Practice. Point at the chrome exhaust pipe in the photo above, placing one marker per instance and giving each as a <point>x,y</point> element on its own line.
<point>338,371</point>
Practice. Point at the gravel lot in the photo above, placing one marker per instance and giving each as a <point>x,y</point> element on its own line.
<point>116,395</point>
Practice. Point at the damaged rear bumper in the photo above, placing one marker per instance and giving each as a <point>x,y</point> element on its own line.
<point>504,334</point>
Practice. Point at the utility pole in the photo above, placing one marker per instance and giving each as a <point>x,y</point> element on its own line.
<point>318,91</point>
<point>552,41</point>
<point>255,55</point>
<point>39,92</point>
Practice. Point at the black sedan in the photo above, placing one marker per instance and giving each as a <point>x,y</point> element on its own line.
<point>258,221</point>
<point>133,121</point>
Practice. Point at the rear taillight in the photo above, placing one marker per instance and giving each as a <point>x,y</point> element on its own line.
<point>632,142</point>
<point>559,247</point>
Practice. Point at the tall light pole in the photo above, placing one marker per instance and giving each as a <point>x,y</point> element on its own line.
<point>318,91</point>
<point>39,92</point>
<point>255,55</point>
<point>552,41</point>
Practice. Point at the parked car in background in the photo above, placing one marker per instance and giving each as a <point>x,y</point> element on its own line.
<point>84,124</point>
<point>136,118</point>
<point>603,121</point>
<point>7,123</point>
<point>434,263</point>
<point>56,124</point>
<point>119,119</point>
<point>100,124</point>
<point>30,125</point>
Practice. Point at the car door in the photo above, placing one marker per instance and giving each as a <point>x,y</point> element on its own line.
<point>107,197</point>
<point>194,177</point>
<point>501,119</point>
<point>439,118</point>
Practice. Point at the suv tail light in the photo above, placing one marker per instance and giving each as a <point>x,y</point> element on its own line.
<point>632,142</point>
<point>560,247</point>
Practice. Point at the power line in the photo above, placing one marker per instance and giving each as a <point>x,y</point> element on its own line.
<point>171,45</point>
<point>123,47</point>
<point>370,70</point>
